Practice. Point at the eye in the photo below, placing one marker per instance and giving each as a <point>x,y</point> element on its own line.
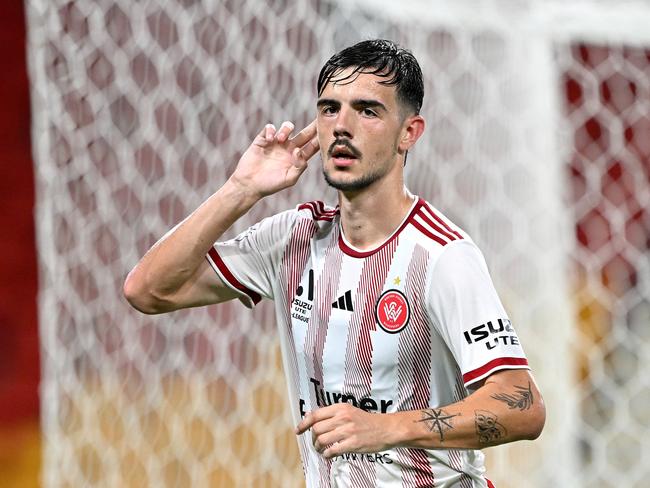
<point>369,112</point>
<point>328,109</point>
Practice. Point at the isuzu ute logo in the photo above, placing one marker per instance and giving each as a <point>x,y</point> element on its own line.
<point>392,311</point>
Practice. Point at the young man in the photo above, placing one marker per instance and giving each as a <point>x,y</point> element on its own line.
<point>400,359</point>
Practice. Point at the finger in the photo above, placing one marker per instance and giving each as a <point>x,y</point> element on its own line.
<point>314,416</point>
<point>304,135</point>
<point>326,425</point>
<point>338,448</point>
<point>299,161</point>
<point>260,138</point>
<point>285,130</point>
<point>305,424</point>
<point>308,150</point>
<point>324,441</point>
<point>269,132</point>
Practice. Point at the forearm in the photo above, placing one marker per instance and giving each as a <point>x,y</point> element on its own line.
<point>494,414</point>
<point>175,258</point>
<point>174,273</point>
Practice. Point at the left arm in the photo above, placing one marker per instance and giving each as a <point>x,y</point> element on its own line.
<point>507,407</point>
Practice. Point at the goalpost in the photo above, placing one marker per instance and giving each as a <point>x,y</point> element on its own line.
<point>536,143</point>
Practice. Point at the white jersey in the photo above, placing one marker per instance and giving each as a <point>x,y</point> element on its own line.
<point>406,326</point>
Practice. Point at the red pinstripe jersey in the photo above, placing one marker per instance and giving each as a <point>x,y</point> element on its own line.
<point>411,324</point>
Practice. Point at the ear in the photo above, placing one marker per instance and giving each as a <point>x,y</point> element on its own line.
<point>412,129</point>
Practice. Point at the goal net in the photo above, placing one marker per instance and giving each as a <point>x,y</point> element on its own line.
<point>537,143</point>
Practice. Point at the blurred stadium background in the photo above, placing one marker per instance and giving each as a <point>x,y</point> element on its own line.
<point>538,143</point>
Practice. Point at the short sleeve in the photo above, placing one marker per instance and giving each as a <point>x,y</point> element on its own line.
<point>249,262</point>
<point>469,315</point>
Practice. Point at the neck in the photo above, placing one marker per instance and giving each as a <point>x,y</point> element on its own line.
<point>370,216</point>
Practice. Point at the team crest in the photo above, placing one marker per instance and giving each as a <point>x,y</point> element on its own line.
<point>392,311</point>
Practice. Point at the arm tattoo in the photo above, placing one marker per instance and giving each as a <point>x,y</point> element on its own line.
<point>487,427</point>
<point>521,399</point>
<point>438,421</point>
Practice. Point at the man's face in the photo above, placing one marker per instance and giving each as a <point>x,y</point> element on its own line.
<point>359,127</point>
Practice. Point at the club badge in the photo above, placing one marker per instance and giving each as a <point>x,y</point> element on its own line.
<point>392,311</point>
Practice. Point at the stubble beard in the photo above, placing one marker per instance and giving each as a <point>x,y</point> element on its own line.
<point>360,183</point>
<point>376,172</point>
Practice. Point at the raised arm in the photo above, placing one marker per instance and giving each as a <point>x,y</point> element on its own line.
<point>174,274</point>
<point>507,407</point>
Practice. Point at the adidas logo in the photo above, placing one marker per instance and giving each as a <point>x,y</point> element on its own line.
<point>344,302</point>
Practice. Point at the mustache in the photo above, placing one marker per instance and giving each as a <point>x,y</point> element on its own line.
<point>344,142</point>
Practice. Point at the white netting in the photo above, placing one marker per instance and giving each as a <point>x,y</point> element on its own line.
<point>141,109</point>
<point>608,120</point>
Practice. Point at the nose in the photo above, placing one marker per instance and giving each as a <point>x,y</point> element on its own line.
<point>343,125</point>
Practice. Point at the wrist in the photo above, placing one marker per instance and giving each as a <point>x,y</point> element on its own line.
<point>408,431</point>
<point>398,429</point>
<point>238,189</point>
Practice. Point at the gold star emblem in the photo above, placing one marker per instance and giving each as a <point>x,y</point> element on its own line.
<point>397,281</point>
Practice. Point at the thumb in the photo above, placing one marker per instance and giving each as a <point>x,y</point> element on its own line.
<point>298,159</point>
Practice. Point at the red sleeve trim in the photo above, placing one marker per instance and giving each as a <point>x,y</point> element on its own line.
<point>318,210</point>
<point>232,281</point>
<point>442,222</point>
<point>430,235</point>
<point>499,363</point>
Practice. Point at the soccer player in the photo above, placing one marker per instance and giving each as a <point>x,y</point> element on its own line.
<point>400,359</point>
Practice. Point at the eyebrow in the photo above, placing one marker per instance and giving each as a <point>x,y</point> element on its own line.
<point>327,101</point>
<point>357,103</point>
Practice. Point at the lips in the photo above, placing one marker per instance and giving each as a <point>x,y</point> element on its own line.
<point>343,162</point>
